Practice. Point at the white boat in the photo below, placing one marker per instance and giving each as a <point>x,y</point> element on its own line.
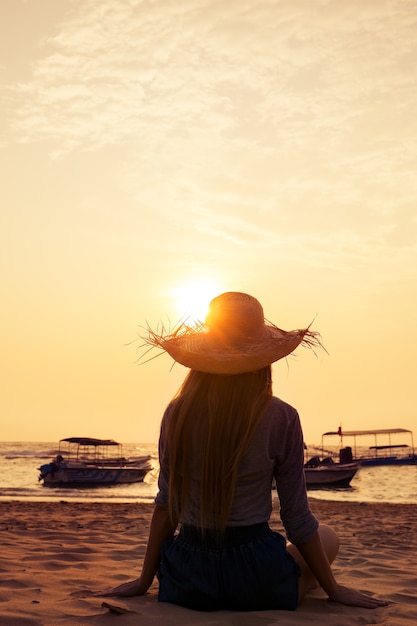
<point>88,462</point>
<point>337,476</point>
<point>327,473</point>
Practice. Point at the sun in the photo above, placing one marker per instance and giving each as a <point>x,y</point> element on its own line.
<point>192,299</point>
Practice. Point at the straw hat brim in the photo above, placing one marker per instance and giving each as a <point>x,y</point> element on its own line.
<point>202,351</point>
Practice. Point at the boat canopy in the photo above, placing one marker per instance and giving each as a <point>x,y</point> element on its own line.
<point>397,445</point>
<point>89,441</point>
<point>354,433</point>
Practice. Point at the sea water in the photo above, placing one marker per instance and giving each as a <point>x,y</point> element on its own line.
<point>19,463</point>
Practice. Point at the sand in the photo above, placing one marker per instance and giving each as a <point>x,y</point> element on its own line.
<point>53,555</point>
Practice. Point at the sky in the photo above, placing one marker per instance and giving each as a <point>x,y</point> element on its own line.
<point>156,153</point>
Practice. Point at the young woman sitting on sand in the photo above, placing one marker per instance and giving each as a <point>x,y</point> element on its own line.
<point>224,439</point>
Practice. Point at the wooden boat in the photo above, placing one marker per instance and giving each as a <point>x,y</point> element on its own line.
<point>387,453</point>
<point>88,462</point>
<point>326,473</point>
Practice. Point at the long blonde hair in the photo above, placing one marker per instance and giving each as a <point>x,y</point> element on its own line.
<point>213,420</point>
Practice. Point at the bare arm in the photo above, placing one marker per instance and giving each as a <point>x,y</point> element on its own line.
<point>161,528</point>
<point>316,559</point>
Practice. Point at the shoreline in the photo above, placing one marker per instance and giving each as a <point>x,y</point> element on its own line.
<point>56,554</point>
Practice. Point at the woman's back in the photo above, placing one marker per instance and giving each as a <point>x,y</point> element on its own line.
<point>274,451</point>
<point>206,432</point>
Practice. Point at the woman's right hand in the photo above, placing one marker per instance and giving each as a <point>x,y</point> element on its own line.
<point>352,597</point>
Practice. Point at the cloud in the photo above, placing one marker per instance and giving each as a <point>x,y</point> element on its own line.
<point>301,111</point>
<point>123,69</point>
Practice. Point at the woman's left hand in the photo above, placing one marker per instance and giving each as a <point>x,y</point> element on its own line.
<point>126,590</point>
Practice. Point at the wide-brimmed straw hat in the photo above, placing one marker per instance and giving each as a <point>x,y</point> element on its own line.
<point>235,338</point>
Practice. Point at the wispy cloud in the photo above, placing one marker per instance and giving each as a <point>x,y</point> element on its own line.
<point>303,111</point>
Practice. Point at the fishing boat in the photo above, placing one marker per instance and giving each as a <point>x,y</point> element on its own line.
<point>88,462</point>
<point>325,472</point>
<point>384,451</point>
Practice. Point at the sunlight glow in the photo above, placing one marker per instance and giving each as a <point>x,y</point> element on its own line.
<point>192,299</point>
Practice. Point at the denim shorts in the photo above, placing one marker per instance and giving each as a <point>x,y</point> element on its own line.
<point>248,569</point>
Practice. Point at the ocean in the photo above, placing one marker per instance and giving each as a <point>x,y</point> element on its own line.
<point>19,463</point>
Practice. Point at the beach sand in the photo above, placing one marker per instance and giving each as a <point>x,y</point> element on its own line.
<point>53,555</point>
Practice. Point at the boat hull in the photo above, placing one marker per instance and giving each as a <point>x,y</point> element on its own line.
<point>334,475</point>
<point>84,476</point>
<point>375,461</point>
